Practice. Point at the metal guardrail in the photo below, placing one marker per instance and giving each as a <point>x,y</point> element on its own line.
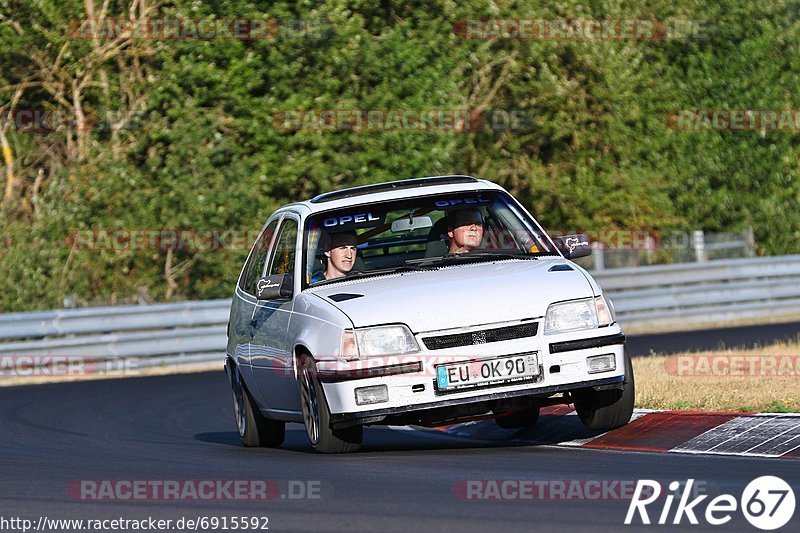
<point>154,335</point>
<point>651,298</point>
<point>691,295</point>
<point>112,319</point>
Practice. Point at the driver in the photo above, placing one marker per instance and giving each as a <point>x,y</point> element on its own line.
<point>340,251</point>
<point>465,230</point>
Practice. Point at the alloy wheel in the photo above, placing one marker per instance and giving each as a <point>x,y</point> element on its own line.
<point>311,403</point>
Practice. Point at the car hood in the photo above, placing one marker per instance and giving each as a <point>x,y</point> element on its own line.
<point>459,295</point>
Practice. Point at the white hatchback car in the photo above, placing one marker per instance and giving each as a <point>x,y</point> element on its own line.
<point>426,302</point>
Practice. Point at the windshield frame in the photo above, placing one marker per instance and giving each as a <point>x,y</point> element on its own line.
<point>527,220</point>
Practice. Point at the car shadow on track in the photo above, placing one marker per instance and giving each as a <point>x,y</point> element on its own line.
<point>551,429</point>
<point>231,438</point>
<point>376,439</point>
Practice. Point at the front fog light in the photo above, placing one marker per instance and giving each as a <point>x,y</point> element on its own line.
<point>370,395</point>
<point>601,363</point>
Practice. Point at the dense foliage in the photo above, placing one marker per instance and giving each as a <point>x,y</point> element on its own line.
<point>186,134</point>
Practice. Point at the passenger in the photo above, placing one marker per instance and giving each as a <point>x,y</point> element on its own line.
<point>340,251</point>
<point>465,230</point>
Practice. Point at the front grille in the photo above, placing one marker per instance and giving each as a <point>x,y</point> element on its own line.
<point>484,336</point>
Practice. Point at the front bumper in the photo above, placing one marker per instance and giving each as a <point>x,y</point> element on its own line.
<point>377,415</point>
<point>411,380</point>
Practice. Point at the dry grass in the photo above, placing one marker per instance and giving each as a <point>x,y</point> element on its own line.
<point>761,380</point>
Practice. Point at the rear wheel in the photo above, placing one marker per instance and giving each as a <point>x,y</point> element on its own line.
<point>316,414</point>
<point>254,428</point>
<point>607,409</point>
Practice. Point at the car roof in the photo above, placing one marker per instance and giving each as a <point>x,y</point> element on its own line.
<point>392,190</point>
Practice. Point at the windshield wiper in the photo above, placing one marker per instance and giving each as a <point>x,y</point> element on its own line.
<point>376,272</point>
<point>390,270</point>
<point>496,255</point>
<point>472,256</point>
<point>425,264</point>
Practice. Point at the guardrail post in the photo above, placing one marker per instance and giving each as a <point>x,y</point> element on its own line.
<point>699,244</point>
<point>749,242</point>
<point>598,255</point>
<point>648,245</point>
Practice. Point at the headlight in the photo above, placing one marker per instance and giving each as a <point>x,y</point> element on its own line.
<point>380,340</point>
<point>588,313</point>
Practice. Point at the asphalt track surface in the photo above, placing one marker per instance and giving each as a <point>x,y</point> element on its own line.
<point>740,337</point>
<point>180,427</point>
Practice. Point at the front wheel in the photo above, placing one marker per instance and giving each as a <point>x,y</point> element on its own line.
<point>254,428</point>
<point>607,409</point>
<point>316,414</point>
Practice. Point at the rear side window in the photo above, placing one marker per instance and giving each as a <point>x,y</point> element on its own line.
<point>283,258</point>
<point>258,256</point>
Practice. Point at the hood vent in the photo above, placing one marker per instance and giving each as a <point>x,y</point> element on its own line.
<point>344,296</point>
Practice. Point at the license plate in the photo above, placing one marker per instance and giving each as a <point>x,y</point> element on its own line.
<point>497,371</point>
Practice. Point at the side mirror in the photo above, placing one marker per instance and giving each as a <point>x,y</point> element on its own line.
<point>275,287</point>
<point>573,246</point>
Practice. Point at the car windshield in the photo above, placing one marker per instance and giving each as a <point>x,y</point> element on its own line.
<point>419,233</point>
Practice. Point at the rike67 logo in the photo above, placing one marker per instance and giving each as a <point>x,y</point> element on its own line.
<point>767,503</point>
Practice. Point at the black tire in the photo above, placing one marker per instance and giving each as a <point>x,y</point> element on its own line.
<point>607,409</point>
<point>254,428</point>
<point>316,414</point>
<point>524,418</point>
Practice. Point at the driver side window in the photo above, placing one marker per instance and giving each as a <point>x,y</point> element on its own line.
<point>283,258</point>
<point>258,256</point>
